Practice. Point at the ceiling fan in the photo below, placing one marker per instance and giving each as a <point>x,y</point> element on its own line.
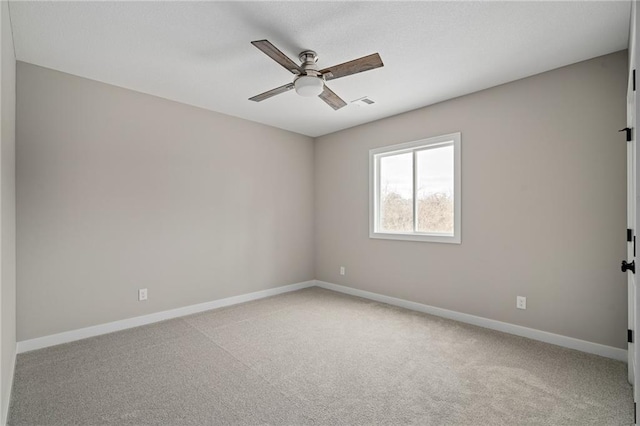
<point>310,81</point>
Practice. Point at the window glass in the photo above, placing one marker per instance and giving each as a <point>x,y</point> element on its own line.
<point>434,193</point>
<point>396,193</point>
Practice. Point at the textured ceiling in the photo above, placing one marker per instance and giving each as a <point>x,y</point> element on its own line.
<point>199,53</point>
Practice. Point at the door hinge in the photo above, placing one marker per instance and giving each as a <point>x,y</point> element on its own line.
<point>628,131</point>
<point>634,246</point>
<point>629,336</point>
<point>635,410</point>
<point>629,235</point>
<point>634,80</point>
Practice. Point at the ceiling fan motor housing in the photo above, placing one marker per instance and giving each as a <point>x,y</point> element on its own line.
<point>311,82</point>
<point>308,57</point>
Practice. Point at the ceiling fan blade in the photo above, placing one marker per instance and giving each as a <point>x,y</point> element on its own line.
<point>365,63</point>
<point>333,100</point>
<point>274,53</point>
<point>272,92</point>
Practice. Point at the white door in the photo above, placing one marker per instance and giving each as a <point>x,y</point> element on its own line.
<point>631,222</point>
<point>632,204</point>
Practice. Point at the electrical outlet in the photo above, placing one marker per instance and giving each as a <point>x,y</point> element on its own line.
<point>521,302</point>
<point>343,270</point>
<point>142,294</point>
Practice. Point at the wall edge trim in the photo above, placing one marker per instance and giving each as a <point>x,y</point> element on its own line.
<point>5,408</point>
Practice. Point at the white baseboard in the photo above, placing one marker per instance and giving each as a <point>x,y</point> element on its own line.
<point>518,330</point>
<point>96,330</point>
<point>543,336</point>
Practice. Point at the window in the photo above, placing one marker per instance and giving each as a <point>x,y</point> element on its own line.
<point>415,190</point>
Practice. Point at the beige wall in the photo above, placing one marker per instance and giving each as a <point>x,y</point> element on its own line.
<point>7,211</point>
<point>119,190</point>
<point>543,199</point>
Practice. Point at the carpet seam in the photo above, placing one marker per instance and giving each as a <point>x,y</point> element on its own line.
<point>268,382</point>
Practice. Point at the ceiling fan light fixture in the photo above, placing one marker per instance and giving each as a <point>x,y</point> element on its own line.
<point>308,86</point>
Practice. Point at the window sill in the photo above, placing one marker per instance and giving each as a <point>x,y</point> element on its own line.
<point>424,238</point>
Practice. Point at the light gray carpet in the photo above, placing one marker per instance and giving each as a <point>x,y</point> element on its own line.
<point>316,357</point>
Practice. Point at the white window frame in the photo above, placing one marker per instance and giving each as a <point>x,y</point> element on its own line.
<point>374,189</point>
